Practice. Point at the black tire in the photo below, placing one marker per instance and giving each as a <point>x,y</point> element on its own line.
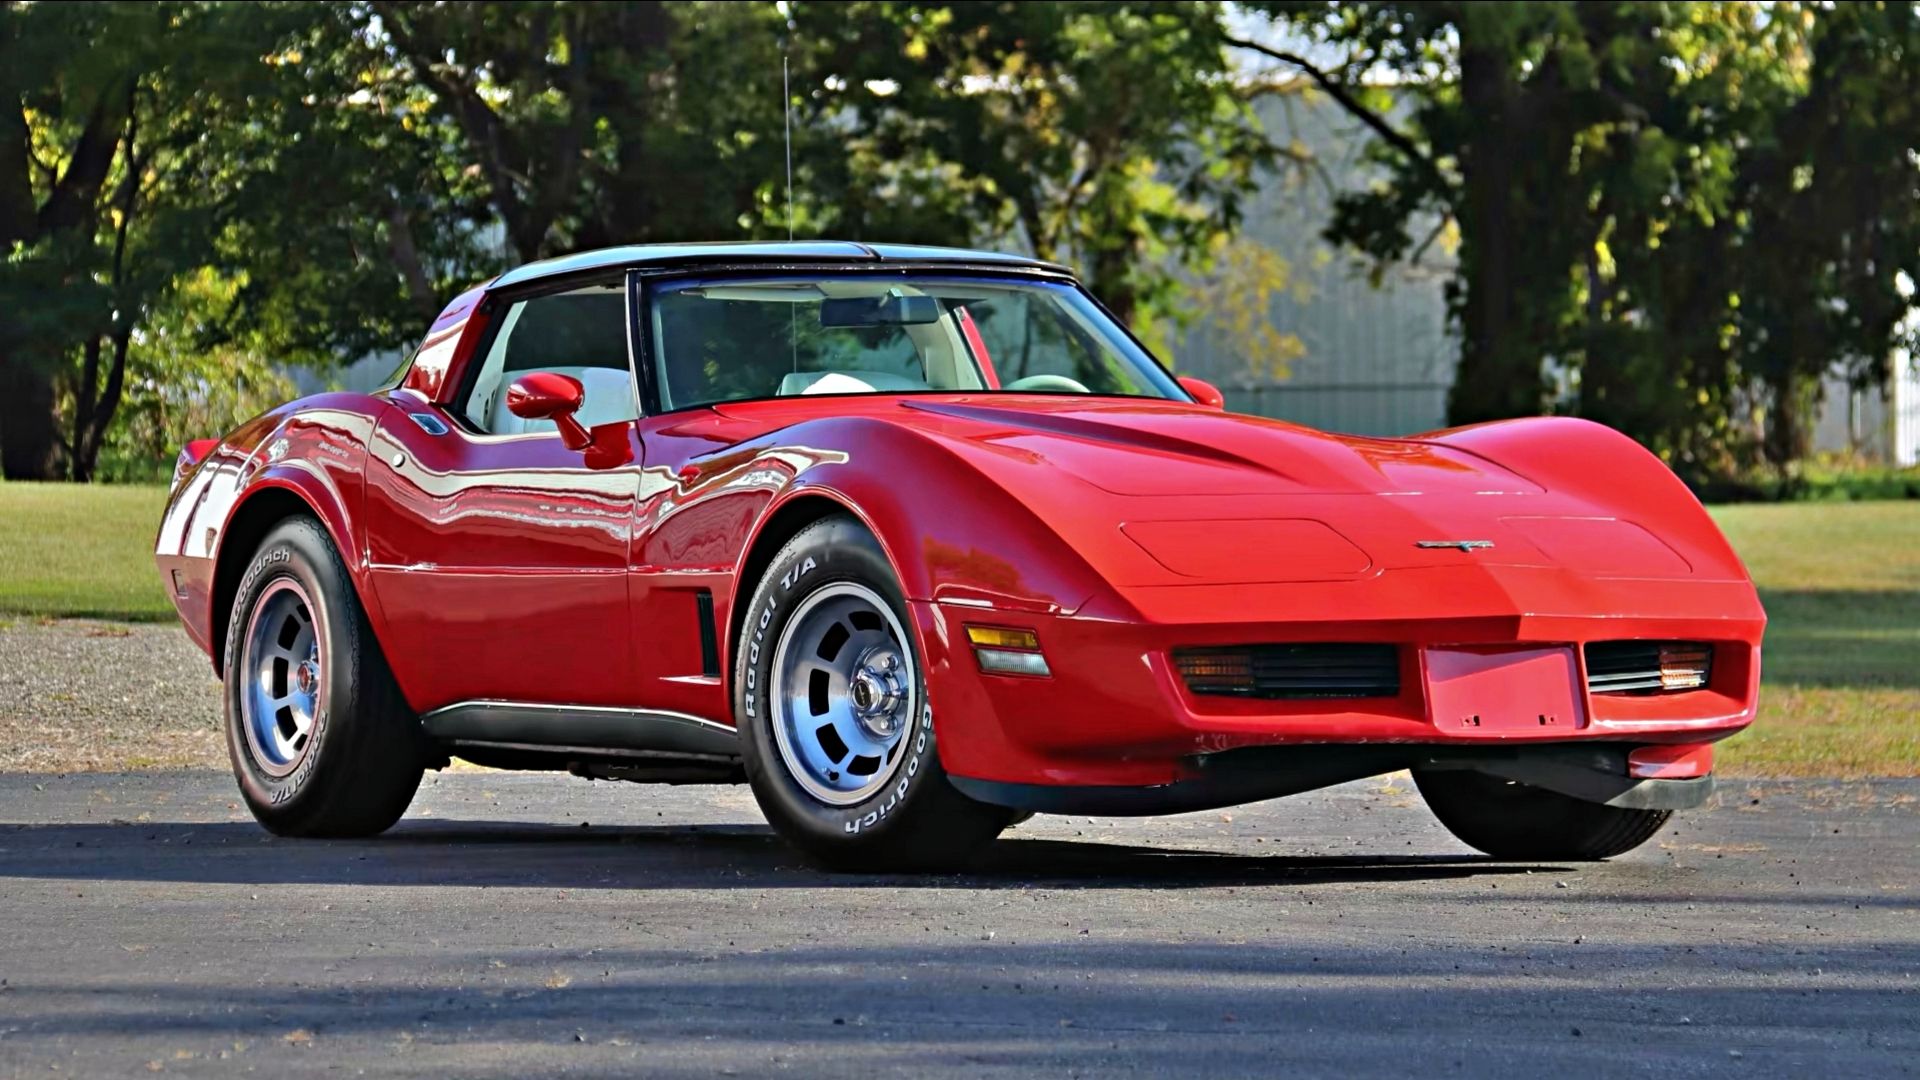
<point>361,755</point>
<point>1510,820</point>
<point>916,820</point>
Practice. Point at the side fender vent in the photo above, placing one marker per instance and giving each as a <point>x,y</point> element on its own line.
<point>709,637</point>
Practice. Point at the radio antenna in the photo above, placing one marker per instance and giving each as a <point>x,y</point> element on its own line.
<point>786,112</point>
<point>786,109</point>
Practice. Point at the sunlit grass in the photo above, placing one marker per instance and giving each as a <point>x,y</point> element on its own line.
<point>72,550</point>
<point>1840,693</point>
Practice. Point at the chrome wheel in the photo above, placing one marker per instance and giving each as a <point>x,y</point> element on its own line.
<point>282,665</point>
<point>844,693</point>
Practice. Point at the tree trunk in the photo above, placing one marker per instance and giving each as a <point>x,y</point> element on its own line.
<point>406,257</point>
<point>1499,375</point>
<point>1109,279</point>
<point>1791,399</point>
<point>29,431</point>
<point>84,396</point>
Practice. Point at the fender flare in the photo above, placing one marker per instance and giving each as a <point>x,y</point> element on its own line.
<point>247,520</point>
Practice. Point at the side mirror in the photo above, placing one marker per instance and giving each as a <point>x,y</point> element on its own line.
<point>1203,392</point>
<point>549,395</point>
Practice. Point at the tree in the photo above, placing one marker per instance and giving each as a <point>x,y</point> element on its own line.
<point>67,92</point>
<point>180,387</point>
<point>151,142</point>
<point>1826,265</point>
<point>1110,135</point>
<point>1621,175</point>
<point>600,124</point>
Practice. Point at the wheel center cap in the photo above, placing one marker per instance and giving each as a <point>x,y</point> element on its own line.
<point>877,690</point>
<point>306,677</point>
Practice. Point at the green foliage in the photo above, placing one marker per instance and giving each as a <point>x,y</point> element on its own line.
<point>179,388</point>
<point>1685,210</point>
<point>163,141</point>
<point>1234,302</point>
<point>1818,479</point>
<point>1669,217</point>
<point>1108,135</point>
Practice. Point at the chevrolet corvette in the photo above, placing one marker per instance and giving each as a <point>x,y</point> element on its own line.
<point>919,541</point>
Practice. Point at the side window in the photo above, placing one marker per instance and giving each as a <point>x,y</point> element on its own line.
<point>582,334</point>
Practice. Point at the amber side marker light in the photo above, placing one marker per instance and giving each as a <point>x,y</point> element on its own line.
<point>1005,651</point>
<point>1684,667</point>
<point>1214,671</point>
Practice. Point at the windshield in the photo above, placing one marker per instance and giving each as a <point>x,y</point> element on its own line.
<point>739,339</point>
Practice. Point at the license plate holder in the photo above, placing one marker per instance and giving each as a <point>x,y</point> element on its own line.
<point>1504,693</point>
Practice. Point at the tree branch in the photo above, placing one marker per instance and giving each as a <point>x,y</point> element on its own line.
<point>1338,91</point>
<point>16,179</point>
<point>406,256</point>
<point>71,203</point>
<point>98,412</point>
<point>482,127</point>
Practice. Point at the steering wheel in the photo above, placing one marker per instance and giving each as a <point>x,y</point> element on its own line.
<point>1048,382</point>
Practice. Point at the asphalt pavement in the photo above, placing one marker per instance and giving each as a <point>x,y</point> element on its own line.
<point>518,925</point>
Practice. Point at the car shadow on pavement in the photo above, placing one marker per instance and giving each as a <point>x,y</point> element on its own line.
<point>494,854</point>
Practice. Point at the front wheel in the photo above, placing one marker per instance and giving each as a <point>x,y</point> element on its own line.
<point>836,731</point>
<point>320,739</point>
<point>1510,820</point>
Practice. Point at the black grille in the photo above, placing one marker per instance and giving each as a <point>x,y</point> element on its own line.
<point>1292,671</point>
<point>1647,667</point>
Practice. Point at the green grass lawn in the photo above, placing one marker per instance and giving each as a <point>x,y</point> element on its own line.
<point>1840,674</point>
<point>1841,583</point>
<point>81,550</point>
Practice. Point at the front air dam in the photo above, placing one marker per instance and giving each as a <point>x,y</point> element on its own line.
<point>1593,772</point>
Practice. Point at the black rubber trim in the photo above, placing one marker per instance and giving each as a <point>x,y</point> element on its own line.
<point>1594,772</point>
<point>709,637</point>
<point>580,727</point>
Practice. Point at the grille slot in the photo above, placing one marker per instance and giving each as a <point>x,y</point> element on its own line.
<point>1292,671</point>
<point>1647,667</point>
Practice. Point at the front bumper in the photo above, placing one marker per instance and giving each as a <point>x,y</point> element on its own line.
<point>1115,712</point>
<point>1593,772</point>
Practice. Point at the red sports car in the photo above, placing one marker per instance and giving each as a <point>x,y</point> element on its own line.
<point>918,541</point>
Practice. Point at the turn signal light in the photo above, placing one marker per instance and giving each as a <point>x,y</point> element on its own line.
<point>998,637</point>
<point>1216,671</point>
<point>1684,667</point>
<point>1007,651</point>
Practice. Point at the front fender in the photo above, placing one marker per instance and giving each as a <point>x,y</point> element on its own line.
<point>953,534</point>
<point>1609,472</point>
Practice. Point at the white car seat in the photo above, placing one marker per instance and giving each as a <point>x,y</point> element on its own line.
<point>845,382</point>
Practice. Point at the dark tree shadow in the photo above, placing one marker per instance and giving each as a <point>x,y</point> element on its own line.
<point>450,852</point>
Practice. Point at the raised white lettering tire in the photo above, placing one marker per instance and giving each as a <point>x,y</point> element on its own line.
<point>836,730</point>
<point>321,741</point>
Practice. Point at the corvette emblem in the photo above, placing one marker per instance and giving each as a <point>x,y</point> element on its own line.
<point>1463,545</point>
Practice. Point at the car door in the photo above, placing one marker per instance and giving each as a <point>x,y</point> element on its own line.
<point>498,556</point>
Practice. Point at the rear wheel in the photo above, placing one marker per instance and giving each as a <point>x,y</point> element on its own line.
<point>1511,820</point>
<point>836,732</point>
<point>321,741</point>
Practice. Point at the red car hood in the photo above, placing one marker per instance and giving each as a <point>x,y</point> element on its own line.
<point>1168,493</point>
<point>1158,448</point>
